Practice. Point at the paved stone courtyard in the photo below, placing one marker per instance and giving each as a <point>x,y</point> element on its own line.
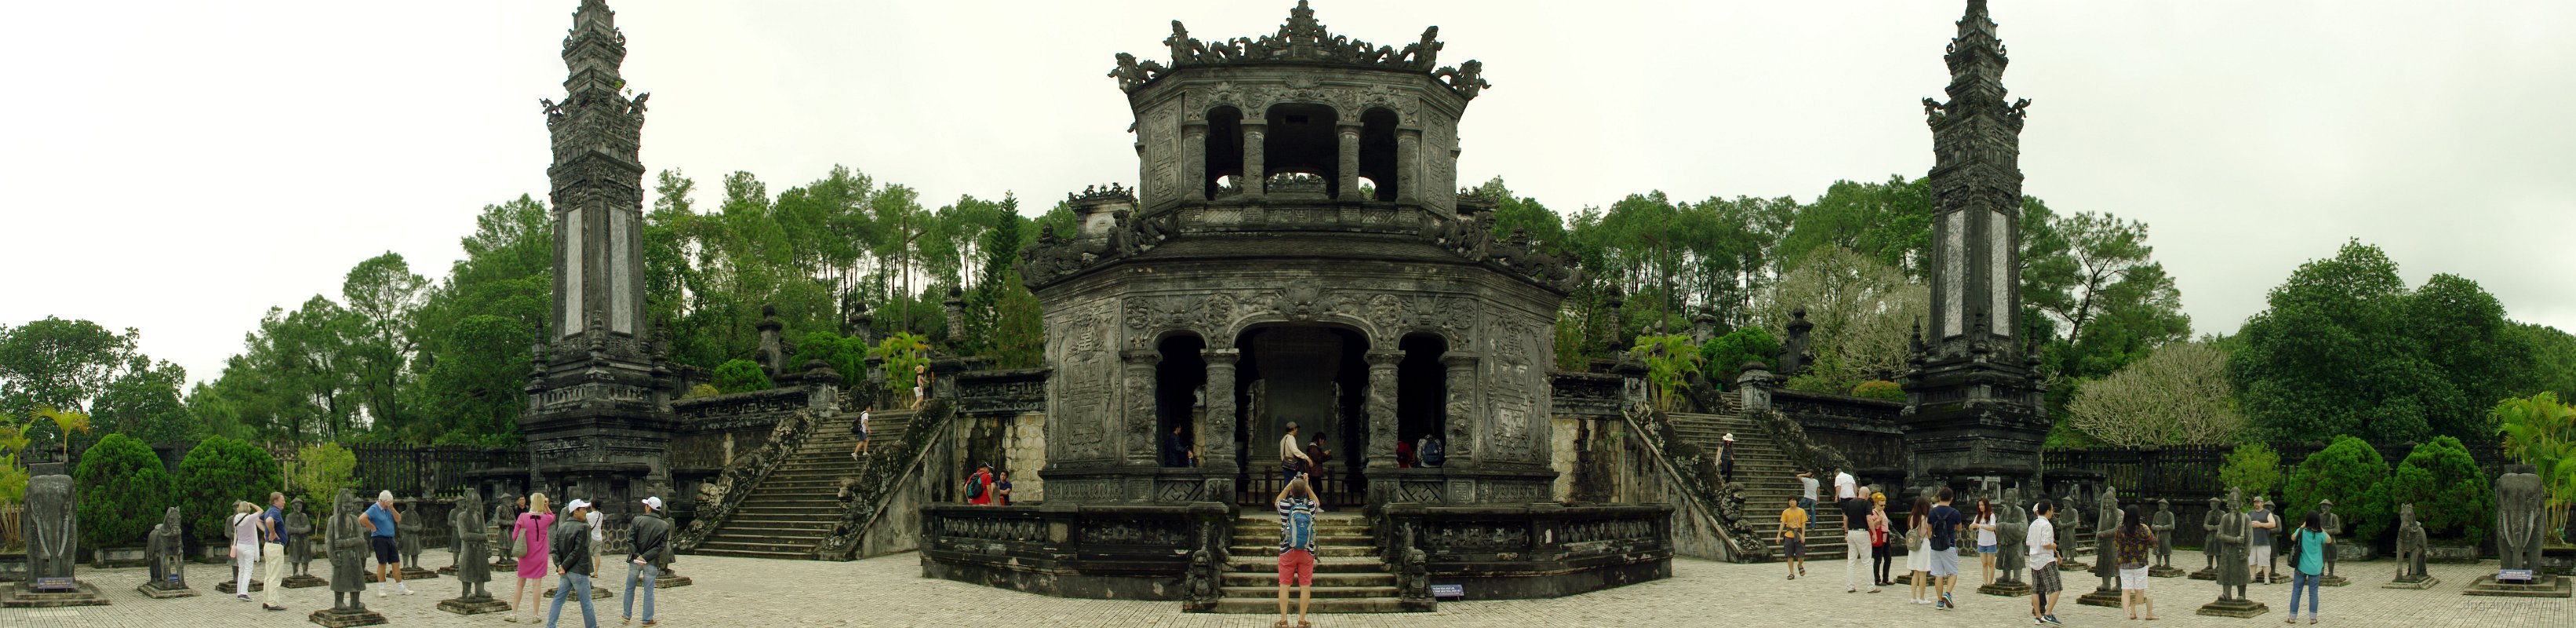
<point>889,591</point>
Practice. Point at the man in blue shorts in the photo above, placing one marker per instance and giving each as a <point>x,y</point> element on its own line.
<point>1943,541</point>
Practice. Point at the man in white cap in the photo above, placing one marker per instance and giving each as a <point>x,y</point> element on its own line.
<point>648,551</point>
<point>572,562</point>
<point>1726,457</point>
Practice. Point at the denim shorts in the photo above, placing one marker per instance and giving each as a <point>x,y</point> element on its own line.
<point>1985,549</point>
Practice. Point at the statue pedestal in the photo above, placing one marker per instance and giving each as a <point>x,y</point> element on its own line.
<point>2005,588</point>
<point>2233,608</point>
<point>447,570</point>
<point>2542,585</point>
<point>2072,565</point>
<point>2205,573</point>
<point>668,580</point>
<point>303,580</point>
<point>227,587</point>
<point>336,618</point>
<point>506,564</point>
<point>596,593</point>
<point>416,573</point>
<point>23,595</point>
<point>473,606</point>
<point>2425,581</point>
<point>2100,597</point>
<point>164,591</point>
<point>2165,571</point>
<point>2332,581</point>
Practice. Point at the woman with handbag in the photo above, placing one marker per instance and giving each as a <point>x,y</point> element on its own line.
<point>531,531</point>
<point>1880,559</point>
<point>245,550</point>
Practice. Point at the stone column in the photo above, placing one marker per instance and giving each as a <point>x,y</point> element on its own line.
<point>1381,407</point>
<point>1216,434</point>
<point>1463,416</point>
<point>1408,165</point>
<point>1140,416</point>
<point>1194,160</point>
<point>1255,175</point>
<point>1349,181</point>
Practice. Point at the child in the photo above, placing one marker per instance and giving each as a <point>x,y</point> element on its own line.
<point>1793,541</point>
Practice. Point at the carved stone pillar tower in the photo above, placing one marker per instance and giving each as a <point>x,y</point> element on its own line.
<point>1255,173</point>
<point>1973,406</point>
<point>1140,421</point>
<point>1408,165</point>
<point>1216,433</point>
<point>1348,175</point>
<point>1459,442</point>
<point>1381,406</point>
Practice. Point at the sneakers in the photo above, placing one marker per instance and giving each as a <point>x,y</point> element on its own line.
<point>381,592</point>
<point>243,597</point>
<point>2052,620</point>
<point>406,589</point>
<point>272,607</point>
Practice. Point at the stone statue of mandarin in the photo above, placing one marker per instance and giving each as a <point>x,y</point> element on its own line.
<point>2163,525</point>
<point>407,533</point>
<point>348,546</point>
<point>2332,524</point>
<point>2106,555</point>
<point>299,530</point>
<point>2235,540</point>
<point>473,567</point>
<point>2209,530</point>
<point>2011,528</point>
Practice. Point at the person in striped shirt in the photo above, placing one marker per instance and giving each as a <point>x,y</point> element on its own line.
<point>1297,510</point>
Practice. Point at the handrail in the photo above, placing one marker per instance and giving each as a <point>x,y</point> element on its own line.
<point>868,492</point>
<point>718,499</point>
<point>1701,502</point>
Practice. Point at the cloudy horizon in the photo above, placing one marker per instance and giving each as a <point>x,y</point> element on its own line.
<point>182,167</point>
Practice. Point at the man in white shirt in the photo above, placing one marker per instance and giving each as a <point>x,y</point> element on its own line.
<point>1289,450</point>
<point>2042,541</point>
<point>1807,499</point>
<point>1845,487</point>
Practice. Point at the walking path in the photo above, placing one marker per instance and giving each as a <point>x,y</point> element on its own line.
<point>889,591</point>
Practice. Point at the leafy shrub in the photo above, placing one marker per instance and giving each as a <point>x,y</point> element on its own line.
<point>902,352</point>
<point>701,390</point>
<point>321,471</point>
<point>1670,361</point>
<point>2451,497</point>
<point>2255,468</point>
<point>739,376</point>
<point>1726,355</point>
<point>2348,472</point>
<point>123,490</point>
<point>1879,389</point>
<point>217,473</point>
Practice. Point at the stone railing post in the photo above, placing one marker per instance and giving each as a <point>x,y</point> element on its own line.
<point>1408,165</point>
<point>1381,407</point>
<point>1141,416</point>
<point>1256,176</point>
<point>1348,180</point>
<point>1755,386</point>
<point>1194,160</point>
<point>1460,438</point>
<point>1216,432</point>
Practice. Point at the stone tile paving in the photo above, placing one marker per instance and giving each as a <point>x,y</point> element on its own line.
<point>889,591</point>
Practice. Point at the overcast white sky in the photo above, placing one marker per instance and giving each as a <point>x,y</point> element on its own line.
<point>180,167</point>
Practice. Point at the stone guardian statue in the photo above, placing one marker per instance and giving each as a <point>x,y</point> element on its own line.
<point>166,551</point>
<point>407,533</point>
<point>2163,525</point>
<point>50,528</point>
<point>473,565</point>
<point>348,548</point>
<point>2208,545</point>
<point>2410,552</point>
<point>2234,540</point>
<point>2106,553</point>
<point>2520,525</point>
<point>2332,524</point>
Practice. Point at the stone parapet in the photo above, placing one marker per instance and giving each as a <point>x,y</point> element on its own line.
<point>1533,551</point>
<point>1103,551</point>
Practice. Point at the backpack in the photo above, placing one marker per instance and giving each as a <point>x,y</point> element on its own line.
<point>1431,453</point>
<point>974,487</point>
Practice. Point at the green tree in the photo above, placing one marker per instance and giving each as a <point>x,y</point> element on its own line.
<point>1670,361</point>
<point>2177,395</point>
<point>2541,431</point>
<point>218,472</point>
<point>55,363</point>
<point>144,403</point>
<point>2255,468</point>
<point>1861,309</point>
<point>2345,348</point>
<point>123,490</point>
<point>320,471</point>
<point>2451,497</point>
<point>2347,472</point>
<point>1726,355</point>
<point>739,376</point>
<point>901,354</point>
<point>382,296</point>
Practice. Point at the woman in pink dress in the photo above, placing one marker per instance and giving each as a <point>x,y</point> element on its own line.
<point>531,531</point>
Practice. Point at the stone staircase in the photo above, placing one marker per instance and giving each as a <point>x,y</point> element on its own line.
<point>1349,577</point>
<point>789,513</point>
<point>1769,482</point>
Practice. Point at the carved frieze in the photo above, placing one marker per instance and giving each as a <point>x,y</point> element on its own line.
<point>1126,532</point>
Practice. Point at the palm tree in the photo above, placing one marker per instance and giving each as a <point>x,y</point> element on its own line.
<point>66,421</point>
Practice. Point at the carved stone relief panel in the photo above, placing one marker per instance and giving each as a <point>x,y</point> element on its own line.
<point>1082,381</point>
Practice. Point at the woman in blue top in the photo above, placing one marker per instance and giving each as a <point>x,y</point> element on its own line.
<point>2309,543</point>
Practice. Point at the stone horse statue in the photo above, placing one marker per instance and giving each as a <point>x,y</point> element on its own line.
<point>166,550</point>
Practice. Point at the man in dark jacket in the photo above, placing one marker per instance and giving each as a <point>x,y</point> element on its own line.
<point>572,563</point>
<point>648,550</point>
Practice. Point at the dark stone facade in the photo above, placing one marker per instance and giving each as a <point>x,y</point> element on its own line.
<point>1973,404</point>
<point>1124,551</point>
<point>1534,551</point>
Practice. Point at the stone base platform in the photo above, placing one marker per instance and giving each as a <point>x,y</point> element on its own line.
<point>506,564</point>
<point>2205,574</point>
<point>304,580</point>
<point>22,597</point>
<point>2544,586</point>
<point>447,570</point>
<point>2005,589</point>
<point>2100,597</point>
<point>596,593</point>
<point>668,580</point>
<point>2233,608</point>
<point>160,593</point>
<point>2426,583</point>
<point>464,606</point>
<point>2333,581</point>
<point>2164,571</point>
<point>226,587</point>
<point>333,618</point>
<point>2073,565</point>
<point>416,573</point>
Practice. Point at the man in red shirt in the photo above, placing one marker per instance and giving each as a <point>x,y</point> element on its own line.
<point>980,485</point>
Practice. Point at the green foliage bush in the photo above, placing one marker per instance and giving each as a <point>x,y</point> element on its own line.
<point>2254,468</point>
<point>1726,355</point>
<point>2451,497</point>
<point>2348,472</point>
<point>123,489</point>
<point>321,471</point>
<point>902,352</point>
<point>1880,389</point>
<point>217,473</point>
<point>740,376</point>
<point>1670,361</point>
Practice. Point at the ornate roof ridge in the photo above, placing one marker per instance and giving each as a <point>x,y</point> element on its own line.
<point>1302,39</point>
<point>1112,192</point>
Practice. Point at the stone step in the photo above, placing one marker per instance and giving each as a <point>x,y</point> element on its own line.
<point>1317,591</point>
<point>1320,550</point>
<point>1268,562</point>
<point>1271,579</point>
<point>766,531</point>
<point>1321,605</point>
<point>704,550</point>
<point>1271,537</point>
<point>822,500</point>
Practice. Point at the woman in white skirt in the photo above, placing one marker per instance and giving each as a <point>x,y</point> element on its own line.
<point>245,551</point>
<point>1918,559</point>
<point>2134,541</point>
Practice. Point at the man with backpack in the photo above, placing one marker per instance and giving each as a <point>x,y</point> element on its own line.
<point>979,486</point>
<point>1430,451</point>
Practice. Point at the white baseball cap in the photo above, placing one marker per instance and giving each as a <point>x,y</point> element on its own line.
<point>653,503</point>
<point>578,504</point>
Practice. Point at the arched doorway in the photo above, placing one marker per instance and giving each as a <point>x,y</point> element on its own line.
<point>1312,376</point>
<point>1421,390</point>
<point>1180,399</point>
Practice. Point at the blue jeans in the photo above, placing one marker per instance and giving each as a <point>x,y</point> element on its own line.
<point>2307,582</point>
<point>644,575</point>
<point>1809,506</point>
<point>569,585</point>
